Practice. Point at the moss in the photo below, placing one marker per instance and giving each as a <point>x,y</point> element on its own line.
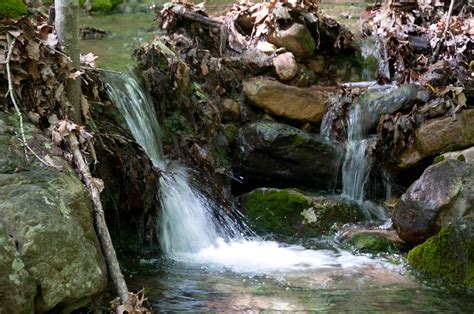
<point>103,6</point>
<point>275,210</point>
<point>444,256</point>
<point>438,159</point>
<point>12,9</point>
<point>372,243</point>
<point>461,157</point>
<point>289,212</point>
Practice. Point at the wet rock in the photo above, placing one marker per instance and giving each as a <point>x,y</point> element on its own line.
<point>292,213</point>
<point>49,215</point>
<point>375,103</point>
<point>295,38</point>
<point>443,194</point>
<point>286,101</point>
<point>448,255</point>
<point>285,66</point>
<point>438,136</point>
<point>277,151</point>
<point>373,240</point>
<point>230,110</point>
<point>18,289</point>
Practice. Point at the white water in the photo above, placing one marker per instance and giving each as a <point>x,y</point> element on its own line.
<point>188,231</point>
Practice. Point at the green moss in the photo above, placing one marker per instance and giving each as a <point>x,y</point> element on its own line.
<point>461,157</point>
<point>372,243</point>
<point>103,6</point>
<point>12,9</point>
<point>444,256</point>
<point>289,212</point>
<point>438,159</point>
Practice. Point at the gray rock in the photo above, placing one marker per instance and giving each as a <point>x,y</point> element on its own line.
<point>17,287</point>
<point>276,151</point>
<point>442,195</point>
<point>285,66</point>
<point>49,214</point>
<point>373,104</point>
<point>295,38</point>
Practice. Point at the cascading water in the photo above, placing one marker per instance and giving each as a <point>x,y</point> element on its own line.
<point>188,231</point>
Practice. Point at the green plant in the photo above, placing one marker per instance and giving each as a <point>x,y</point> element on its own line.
<point>12,9</point>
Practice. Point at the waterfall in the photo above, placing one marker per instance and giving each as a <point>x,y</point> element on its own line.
<point>186,221</point>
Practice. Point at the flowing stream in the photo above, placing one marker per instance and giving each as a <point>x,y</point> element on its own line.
<point>214,267</point>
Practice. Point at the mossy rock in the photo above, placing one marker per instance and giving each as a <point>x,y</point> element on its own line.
<point>449,255</point>
<point>291,213</point>
<point>12,9</point>
<point>372,243</point>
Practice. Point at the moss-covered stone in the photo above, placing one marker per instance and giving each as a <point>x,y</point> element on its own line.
<point>372,243</point>
<point>12,9</point>
<point>447,256</point>
<point>292,213</point>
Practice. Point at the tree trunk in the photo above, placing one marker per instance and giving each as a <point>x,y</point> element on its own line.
<point>66,22</point>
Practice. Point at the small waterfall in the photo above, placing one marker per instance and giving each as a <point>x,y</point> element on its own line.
<point>186,221</point>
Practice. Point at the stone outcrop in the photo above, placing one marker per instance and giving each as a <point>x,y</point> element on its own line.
<point>286,101</point>
<point>440,135</point>
<point>442,195</point>
<point>50,256</point>
<point>276,151</point>
<point>291,212</point>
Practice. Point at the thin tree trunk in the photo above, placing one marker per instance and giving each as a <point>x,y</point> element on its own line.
<point>66,22</point>
<point>101,226</point>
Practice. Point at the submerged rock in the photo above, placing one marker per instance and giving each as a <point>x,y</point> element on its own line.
<point>438,136</point>
<point>286,101</point>
<point>295,38</point>
<point>443,194</point>
<point>372,240</point>
<point>449,255</point>
<point>277,151</point>
<point>292,213</point>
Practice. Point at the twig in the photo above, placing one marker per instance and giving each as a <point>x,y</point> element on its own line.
<point>443,36</point>
<point>11,93</point>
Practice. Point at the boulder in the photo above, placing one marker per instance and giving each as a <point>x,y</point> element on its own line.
<point>17,287</point>
<point>373,104</point>
<point>290,212</point>
<point>443,194</point>
<point>438,136</point>
<point>372,240</point>
<point>277,151</point>
<point>448,255</point>
<point>290,102</point>
<point>285,66</point>
<point>295,38</point>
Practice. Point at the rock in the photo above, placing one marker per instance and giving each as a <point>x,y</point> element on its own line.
<point>266,47</point>
<point>276,151</point>
<point>230,132</point>
<point>373,240</point>
<point>49,215</point>
<point>438,136</point>
<point>373,104</point>
<point>437,74</point>
<point>295,38</point>
<point>285,66</point>
<point>292,213</point>
<point>18,289</point>
<point>443,194</point>
<point>286,101</point>
<point>230,110</point>
<point>466,155</point>
<point>448,255</point>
